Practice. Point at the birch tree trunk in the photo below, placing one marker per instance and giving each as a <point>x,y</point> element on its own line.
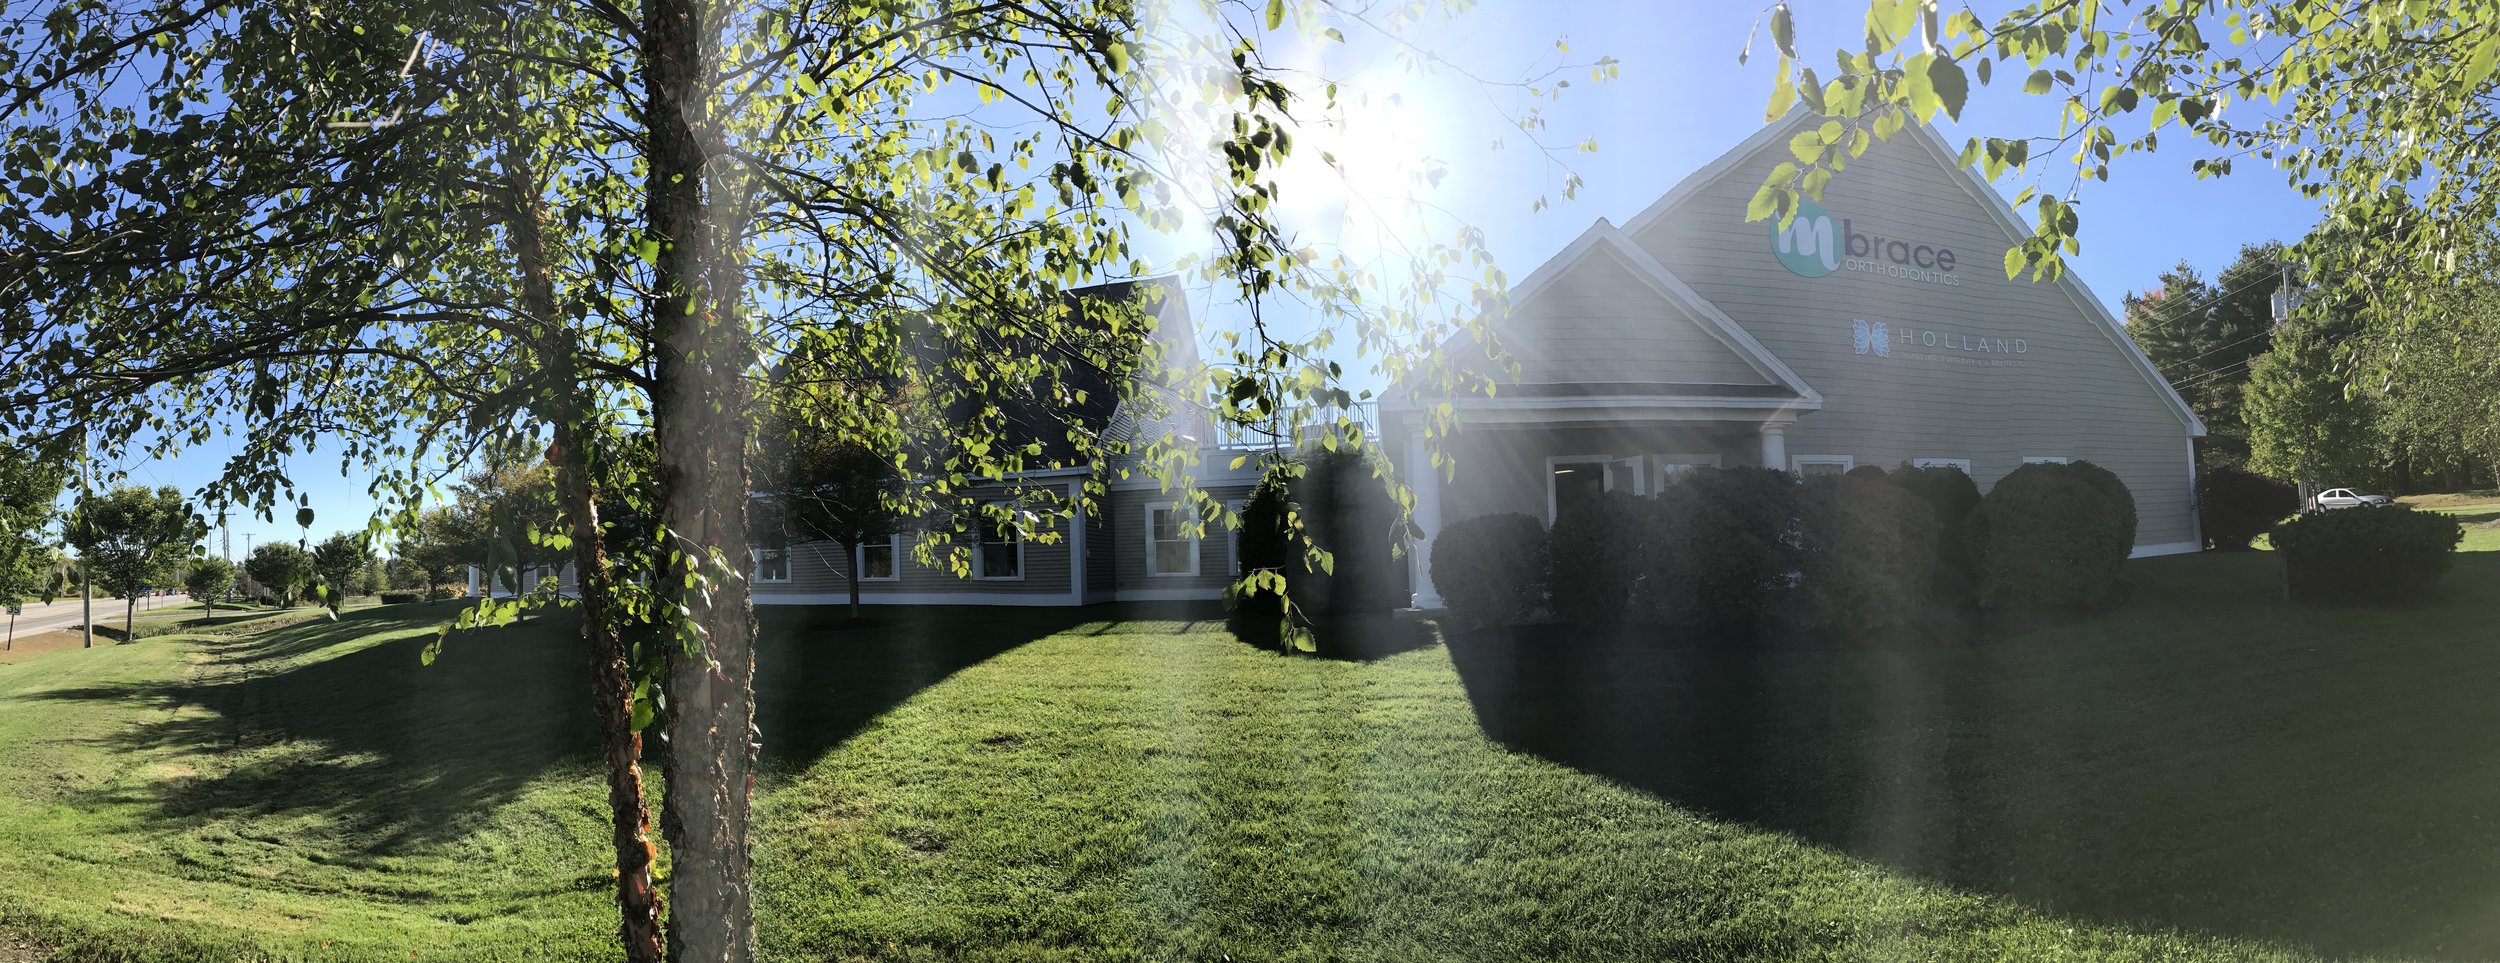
<point>699,417</point>
<point>612,684</point>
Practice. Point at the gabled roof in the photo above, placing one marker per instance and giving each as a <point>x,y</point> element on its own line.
<point>1604,239</point>
<point>1925,136</point>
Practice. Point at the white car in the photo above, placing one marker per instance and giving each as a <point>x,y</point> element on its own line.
<point>2346,498</point>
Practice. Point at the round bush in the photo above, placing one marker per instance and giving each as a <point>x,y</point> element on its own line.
<point>2108,484</point>
<point>1867,554</point>
<point>1344,502</point>
<point>1591,570</point>
<point>2236,507</point>
<point>2365,555</point>
<point>2044,538</point>
<point>1345,509</point>
<point>1721,547</point>
<point>1490,569</point>
<point>1950,495</point>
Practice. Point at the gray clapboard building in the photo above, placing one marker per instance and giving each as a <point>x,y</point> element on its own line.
<point>1878,328</point>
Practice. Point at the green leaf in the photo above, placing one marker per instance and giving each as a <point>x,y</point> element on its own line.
<point>1807,145</point>
<point>1783,95</point>
<point>2038,83</point>
<point>1275,14</point>
<point>2479,63</point>
<point>1951,88</point>
<point>2013,262</point>
<point>1784,33</point>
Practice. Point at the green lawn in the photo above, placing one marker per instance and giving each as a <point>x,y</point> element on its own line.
<point>2207,773</point>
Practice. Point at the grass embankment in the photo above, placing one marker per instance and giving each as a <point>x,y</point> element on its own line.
<point>2206,774</point>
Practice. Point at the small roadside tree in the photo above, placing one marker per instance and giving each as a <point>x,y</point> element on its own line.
<point>134,535</point>
<point>30,481</point>
<point>281,569</point>
<point>342,561</point>
<point>836,491</point>
<point>209,580</point>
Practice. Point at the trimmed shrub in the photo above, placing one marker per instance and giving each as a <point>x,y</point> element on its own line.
<point>1592,550</point>
<point>2365,555</point>
<point>396,597</point>
<point>1345,508</point>
<point>1868,472</point>
<point>2108,484</point>
<point>1345,504</point>
<point>2236,507</point>
<point>1950,496</point>
<point>1721,547</point>
<point>1867,554</point>
<point>2046,538</point>
<point>1490,569</point>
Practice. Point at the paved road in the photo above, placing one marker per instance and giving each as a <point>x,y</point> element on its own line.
<point>64,614</point>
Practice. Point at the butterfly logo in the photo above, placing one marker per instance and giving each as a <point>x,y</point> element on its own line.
<point>1875,338</point>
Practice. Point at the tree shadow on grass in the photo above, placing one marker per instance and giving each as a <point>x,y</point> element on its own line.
<point>2206,758</point>
<point>384,752</point>
<point>821,676</point>
<point>1347,638</point>
<point>392,755</point>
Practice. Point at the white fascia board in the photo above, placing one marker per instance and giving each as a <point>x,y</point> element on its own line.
<point>1775,133</point>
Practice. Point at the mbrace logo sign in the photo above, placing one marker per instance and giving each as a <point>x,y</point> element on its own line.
<point>1815,244</point>
<point>1810,246</point>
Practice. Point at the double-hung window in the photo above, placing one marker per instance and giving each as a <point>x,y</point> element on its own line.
<point>1815,466</point>
<point>1000,552</point>
<point>877,558</point>
<point>1961,463</point>
<point>1170,547</point>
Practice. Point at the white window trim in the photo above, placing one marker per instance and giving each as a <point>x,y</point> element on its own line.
<point>1961,463</point>
<point>859,560</point>
<point>1667,463</point>
<point>756,555</point>
<point>981,550</point>
<point>1193,540</point>
<point>1232,537</point>
<point>1797,463</point>
<point>2044,459</point>
<point>1640,473</point>
<point>1605,479</point>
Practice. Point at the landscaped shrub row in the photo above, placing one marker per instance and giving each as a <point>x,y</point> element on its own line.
<point>1740,548</point>
<point>396,597</point>
<point>2051,537</point>
<point>1490,569</point>
<point>2365,554</point>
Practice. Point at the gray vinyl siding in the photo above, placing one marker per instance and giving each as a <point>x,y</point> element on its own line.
<point>1600,323</point>
<point>1128,540</point>
<point>1102,556</point>
<point>2076,393</point>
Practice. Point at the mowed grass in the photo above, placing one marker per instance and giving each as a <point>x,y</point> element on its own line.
<point>2208,773</point>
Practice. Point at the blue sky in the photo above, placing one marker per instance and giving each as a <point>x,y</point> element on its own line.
<point>1681,100</point>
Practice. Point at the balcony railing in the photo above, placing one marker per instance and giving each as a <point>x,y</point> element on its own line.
<point>1291,428</point>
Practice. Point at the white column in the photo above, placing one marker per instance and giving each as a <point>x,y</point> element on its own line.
<point>1426,481</point>
<point>1775,446</point>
